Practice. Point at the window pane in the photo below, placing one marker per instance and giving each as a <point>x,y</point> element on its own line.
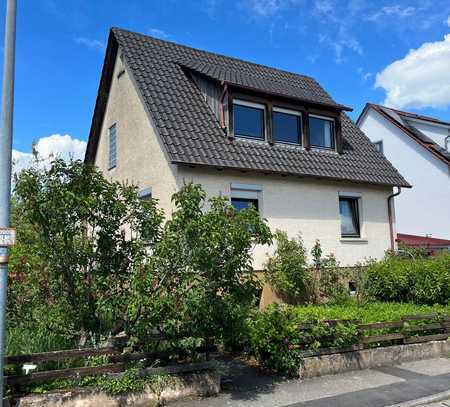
<point>348,208</point>
<point>244,203</point>
<point>286,128</point>
<point>321,132</point>
<point>248,121</point>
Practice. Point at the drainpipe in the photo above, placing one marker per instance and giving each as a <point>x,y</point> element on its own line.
<point>391,221</point>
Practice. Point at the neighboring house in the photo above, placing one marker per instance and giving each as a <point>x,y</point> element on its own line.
<point>427,243</point>
<point>418,146</point>
<point>167,114</point>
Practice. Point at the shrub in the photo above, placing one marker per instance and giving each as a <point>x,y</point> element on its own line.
<point>422,280</point>
<point>287,270</point>
<point>276,342</point>
<point>298,282</point>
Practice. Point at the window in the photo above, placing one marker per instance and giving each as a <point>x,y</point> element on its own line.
<point>112,146</point>
<point>244,203</point>
<point>286,126</point>
<point>321,132</point>
<point>350,222</point>
<point>248,119</point>
<point>145,194</point>
<point>379,146</point>
<point>245,195</point>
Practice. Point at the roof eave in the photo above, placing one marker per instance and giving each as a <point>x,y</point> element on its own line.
<point>294,174</point>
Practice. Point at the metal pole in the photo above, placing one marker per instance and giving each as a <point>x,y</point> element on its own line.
<point>5,164</point>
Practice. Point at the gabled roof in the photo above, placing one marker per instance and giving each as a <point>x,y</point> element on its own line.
<point>422,241</point>
<point>191,133</point>
<point>403,121</point>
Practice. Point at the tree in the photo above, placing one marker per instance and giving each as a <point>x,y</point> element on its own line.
<point>202,269</point>
<point>89,236</point>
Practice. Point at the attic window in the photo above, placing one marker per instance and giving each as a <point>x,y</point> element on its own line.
<point>248,119</point>
<point>287,126</point>
<point>321,132</point>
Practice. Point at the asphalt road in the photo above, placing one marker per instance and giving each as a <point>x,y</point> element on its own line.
<point>379,387</point>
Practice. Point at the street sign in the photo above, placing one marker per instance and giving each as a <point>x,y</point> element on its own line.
<point>7,237</point>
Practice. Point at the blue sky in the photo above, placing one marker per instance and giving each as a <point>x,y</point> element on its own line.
<point>344,44</point>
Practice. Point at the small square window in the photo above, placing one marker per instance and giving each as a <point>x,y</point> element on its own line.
<point>321,132</point>
<point>244,203</point>
<point>248,119</point>
<point>349,211</point>
<point>287,126</point>
<point>379,146</point>
<point>112,147</point>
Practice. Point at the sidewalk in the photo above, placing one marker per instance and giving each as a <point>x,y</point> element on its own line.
<point>381,387</point>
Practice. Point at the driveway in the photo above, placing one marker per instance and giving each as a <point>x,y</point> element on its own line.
<point>380,387</point>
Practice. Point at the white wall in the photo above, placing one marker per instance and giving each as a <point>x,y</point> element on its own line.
<point>140,155</point>
<point>437,133</point>
<point>424,209</point>
<point>310,207</point>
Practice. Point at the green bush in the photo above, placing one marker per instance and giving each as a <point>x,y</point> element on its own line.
<point>420,280</point>
<point>287,270</point>
<point>275,340</point>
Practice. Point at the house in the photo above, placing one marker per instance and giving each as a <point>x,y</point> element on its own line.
<point>418,146</point>
<point>167,114</point>
<point>430,245</point>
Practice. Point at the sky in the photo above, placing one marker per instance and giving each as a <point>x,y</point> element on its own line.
<point>393,52</point>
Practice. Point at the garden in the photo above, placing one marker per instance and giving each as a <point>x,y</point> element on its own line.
<point>95,262</point>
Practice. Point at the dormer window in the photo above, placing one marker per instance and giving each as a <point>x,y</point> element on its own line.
<point>321,132</point>
<point>248,119</point>
<point>286,126</point>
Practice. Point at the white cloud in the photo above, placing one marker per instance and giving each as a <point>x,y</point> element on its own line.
<point>393,11</point>
<point>53,146</point>
<point>420,79</point>
<point>448,21</point>
<point>156,32</point>
<point>267,8</point>
<point>91,43</point>
<point>364,75</point>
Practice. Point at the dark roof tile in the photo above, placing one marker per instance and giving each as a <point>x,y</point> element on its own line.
<point>190,131</point>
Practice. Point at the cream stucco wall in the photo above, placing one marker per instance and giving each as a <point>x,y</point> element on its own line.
<point>309,207</point>
<point>296,205</point>
<point>140,157</point>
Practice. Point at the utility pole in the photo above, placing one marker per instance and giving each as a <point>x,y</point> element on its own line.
<point>6,235</point>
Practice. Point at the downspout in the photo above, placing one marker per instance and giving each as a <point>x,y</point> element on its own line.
<point>391,220</point>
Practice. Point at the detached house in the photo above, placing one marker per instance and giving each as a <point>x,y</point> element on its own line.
<point>167,114</point>
<point>419,146</point>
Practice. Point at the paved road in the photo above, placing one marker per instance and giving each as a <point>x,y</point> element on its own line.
<point>379,387</point>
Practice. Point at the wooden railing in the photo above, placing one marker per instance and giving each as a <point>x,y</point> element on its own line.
<point>410,329</point>
<point>116,359</point>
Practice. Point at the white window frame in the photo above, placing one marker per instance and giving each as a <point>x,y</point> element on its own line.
<point>333,127</point>
<point>112,155</point>
<point>254,105</point>
<point>293,113</point>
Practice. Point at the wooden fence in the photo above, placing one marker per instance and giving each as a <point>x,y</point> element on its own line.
<point>410,329</point>
<point>116,359</point>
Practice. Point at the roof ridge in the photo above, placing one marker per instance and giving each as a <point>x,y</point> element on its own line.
<point>215,53</point>
<point>411,115</point>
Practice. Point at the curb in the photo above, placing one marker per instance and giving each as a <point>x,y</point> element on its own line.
<point>424,400</point>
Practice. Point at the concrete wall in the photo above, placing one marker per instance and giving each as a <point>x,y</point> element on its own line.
<point>425,209</point>
<point>141,159</point>
<point>309,207</point>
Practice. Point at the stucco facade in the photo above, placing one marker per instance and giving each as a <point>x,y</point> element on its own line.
<point>296,205</point>
<point>424,209</point>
